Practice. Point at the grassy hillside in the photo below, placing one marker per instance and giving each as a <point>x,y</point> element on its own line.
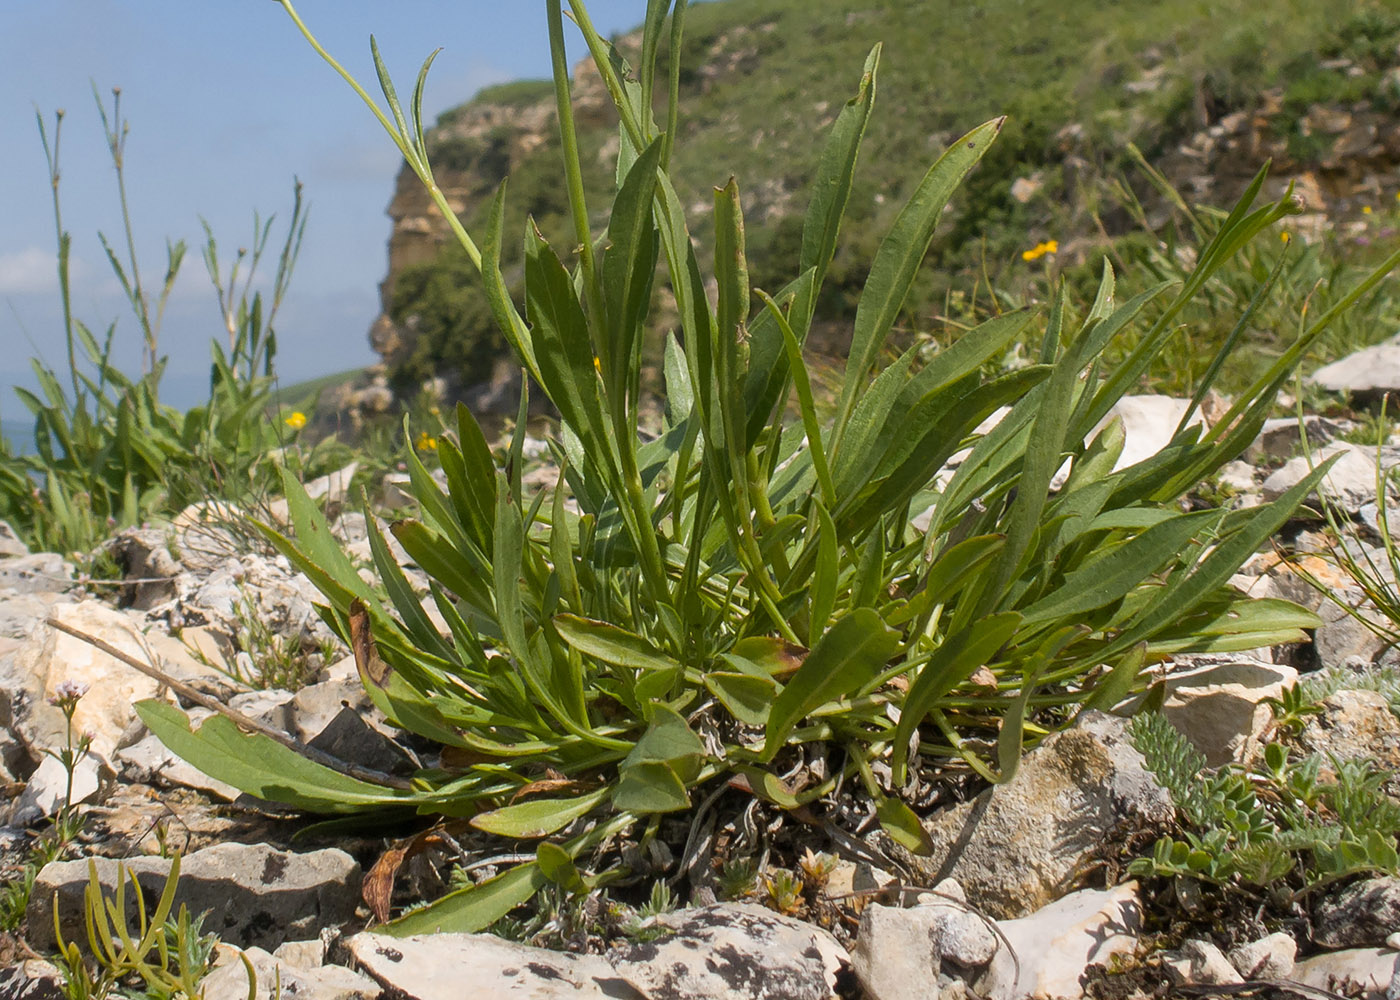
<point>1079,80</point>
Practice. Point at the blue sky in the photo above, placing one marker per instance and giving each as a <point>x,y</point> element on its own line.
<point>226,104</point>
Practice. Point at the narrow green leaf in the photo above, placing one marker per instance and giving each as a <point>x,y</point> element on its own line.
<point>1110,576</point>
<point>746,697</point>
<point>611,644</point>
<point>831,188</point>
<point>898,260</point>
<point>850,653</point>
<point>821,597</point>
<point>951,664</point>
<point>903,826</point>
<point>536,817</point>
<point>255,764</point>
<point>473,909</point>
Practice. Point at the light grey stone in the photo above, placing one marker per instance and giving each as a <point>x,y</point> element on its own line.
<point>1370,969</point>
<point>303,954</point>
<point>1219,703</point>
<point>1200,963</point>
<point>149,761</point>
<point>1270,957</point>
<point>1341,636</point>
<point>315,706</point>
<point>255,895</point>
<point>145,555</point>
<point>1281,437</point>
<point>1018,845</point>
<point>50,658</point>
<point>1054,945</point>
<point>47,789</point>
<point>41,571</point>
<point>733,952</point>
<point>1355,724</point>
<point>962,936</point>
<point>280,980</point>
<point>1351,482</point>
<point>347,737</point>
<point>896,954</point>
<point>32,979</point>
<point>1369,372</point>
<point>453,966</point>
<point>10,544</point>
<point>22,614</point>
<point>1363,913</point>
<point>271,706</point>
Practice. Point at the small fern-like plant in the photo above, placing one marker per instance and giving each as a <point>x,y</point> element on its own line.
<point>1311,820</point>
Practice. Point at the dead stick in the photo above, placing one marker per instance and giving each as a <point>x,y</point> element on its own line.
<point>238,718</point>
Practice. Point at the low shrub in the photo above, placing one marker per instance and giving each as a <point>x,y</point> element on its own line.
<point>713,606</point>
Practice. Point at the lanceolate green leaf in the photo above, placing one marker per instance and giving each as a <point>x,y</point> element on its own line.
<point>611,644</point>
<point>849,654</point>
<point>255,764</point>
<point>537,817</point>
<point>898,259</point>
<point>1105,579</point>
<point>467,911</point>
<point>951,664</point>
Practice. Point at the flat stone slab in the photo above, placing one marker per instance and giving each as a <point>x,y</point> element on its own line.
<point>254,895</point>
<point>1369,372</point>
<point>733,951</point>
<point>483,967</point>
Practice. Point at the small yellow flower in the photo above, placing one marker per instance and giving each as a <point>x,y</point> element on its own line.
<point>296,421</point>
<point>1041,249</point>
<point>1285,236</point>
<point>1051,246</point>
<point>426,442</point>
<point>1365,209</point>
<point>598,364</point>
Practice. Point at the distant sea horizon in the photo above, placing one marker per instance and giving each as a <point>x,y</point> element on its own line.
<point>19,434</point>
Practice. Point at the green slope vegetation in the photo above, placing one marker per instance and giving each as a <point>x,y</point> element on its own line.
<point>762,78</point>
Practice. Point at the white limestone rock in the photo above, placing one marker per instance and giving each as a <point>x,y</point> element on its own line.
<point>454,966</point>
<point>1056,944</point>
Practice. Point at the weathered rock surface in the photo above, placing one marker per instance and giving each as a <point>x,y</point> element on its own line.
<point>1200,963</point>
<point>1352,725</point>
<point>1350,482</point>
<point>10,544</point>
<point>255,895</point>
<point>279,980</point>
<point>33,979</point>
<point>1270,957</point>
<point>896,953</point>
<point>1369,969</point>
<point>1054,945</point>
<point>733,952</point>
<point>31,574</point>
<point>444,966</point>
<point>1363,913</point>
<point>51,658</point>
<point>1219,703</point>
<point>1017,846</point>
<point>1366,374</point>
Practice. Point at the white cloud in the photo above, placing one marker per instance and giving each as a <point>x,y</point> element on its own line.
<point>30,270</point>
<point>34,271</point>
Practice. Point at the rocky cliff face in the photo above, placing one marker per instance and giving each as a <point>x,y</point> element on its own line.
<point>472,148</point>
<point>1341,157</point>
